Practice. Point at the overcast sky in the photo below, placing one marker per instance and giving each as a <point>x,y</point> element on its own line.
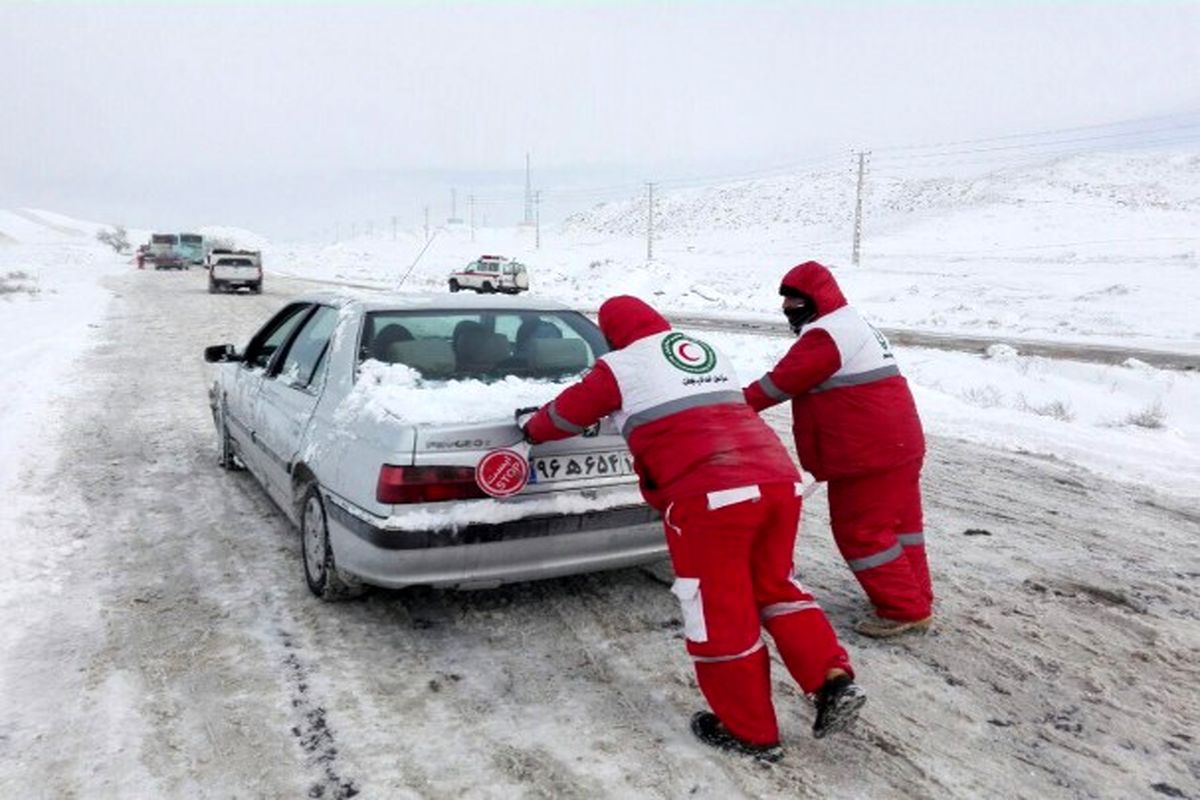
<point>271,115</point>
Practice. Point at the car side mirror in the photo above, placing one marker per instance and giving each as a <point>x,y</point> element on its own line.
<point>220,353</point>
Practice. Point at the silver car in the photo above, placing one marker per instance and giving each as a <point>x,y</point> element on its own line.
<point>365,418</point>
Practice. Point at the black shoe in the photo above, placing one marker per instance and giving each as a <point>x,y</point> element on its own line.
<point>709,730</point>
<point>838,702</point>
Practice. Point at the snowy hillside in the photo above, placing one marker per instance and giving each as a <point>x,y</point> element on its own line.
<point>1097,247</point>
<point>237,237</point>
<point>1108,183</point>
<point>32,226</point>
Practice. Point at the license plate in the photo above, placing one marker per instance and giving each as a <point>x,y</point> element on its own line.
<point>592,465</point>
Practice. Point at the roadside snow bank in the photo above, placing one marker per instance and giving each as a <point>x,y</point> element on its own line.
<point>1132,422</point>
<point>50,305</point>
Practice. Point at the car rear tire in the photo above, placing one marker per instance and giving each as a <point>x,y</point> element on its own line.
<point>320,572</point>
<point>487,288</point>
<point>454,287</point>
<point>256,288</point>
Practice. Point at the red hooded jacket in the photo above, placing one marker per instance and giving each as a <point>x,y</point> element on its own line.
<point>852,411</point>
<point>676,401</point>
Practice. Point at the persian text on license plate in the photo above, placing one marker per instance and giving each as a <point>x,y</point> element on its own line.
<point>592,465</point>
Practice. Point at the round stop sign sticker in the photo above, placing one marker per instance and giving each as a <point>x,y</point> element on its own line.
<point>502,473</point>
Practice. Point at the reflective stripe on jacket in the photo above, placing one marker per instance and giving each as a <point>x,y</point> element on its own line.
<point>676,400</point>
<point>852,411</point>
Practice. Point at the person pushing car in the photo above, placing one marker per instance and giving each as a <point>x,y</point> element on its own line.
<point>730,498</point>
<point>856,427</point>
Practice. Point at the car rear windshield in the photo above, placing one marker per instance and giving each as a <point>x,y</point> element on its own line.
<point>164,238</point>
<point>234,262</point>
<point>485,345</point>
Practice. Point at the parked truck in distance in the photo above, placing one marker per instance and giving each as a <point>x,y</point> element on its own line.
<point>164,252</point>
<point>229,270</point>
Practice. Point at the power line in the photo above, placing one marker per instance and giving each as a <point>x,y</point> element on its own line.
<point>1054,143</point>
<point>1014,158</point>
<point>1034,134</point>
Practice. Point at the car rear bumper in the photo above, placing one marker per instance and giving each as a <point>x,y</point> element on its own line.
<point>485,555</point>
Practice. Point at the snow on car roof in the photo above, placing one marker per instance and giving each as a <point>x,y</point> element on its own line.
<point>380,301</point>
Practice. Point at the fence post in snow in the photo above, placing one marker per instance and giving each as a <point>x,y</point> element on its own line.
<point>858,202</point>
<point>649,221</point>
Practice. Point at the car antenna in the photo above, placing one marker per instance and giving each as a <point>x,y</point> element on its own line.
<point>418,258</point>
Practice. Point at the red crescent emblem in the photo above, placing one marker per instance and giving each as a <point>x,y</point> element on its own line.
<point>683,352</point>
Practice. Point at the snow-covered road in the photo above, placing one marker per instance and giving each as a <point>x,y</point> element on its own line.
<point>160,641</point>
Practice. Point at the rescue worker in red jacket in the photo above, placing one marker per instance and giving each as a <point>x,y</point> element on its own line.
<point>856,426</point>
<point>730,500</point>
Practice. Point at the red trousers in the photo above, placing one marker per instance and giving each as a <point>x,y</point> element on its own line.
<point>878,527</point>
<point>732,552</point>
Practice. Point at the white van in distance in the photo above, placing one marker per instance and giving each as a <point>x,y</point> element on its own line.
<point>492,274</point>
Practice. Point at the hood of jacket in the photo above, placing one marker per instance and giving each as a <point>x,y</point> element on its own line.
<point>816,281</point>
<point>625,319</point>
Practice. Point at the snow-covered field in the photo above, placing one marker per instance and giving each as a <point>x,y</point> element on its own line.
<point>191,613</point>
<point>1098,248</point>
<point>1095,248</point>
<point>50,307</point>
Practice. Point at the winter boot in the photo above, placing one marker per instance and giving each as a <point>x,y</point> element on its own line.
<point>880,628</point>
<point>838,702</point>
<point>709,730</point>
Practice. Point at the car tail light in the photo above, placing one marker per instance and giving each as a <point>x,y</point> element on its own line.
<point>426,484</point>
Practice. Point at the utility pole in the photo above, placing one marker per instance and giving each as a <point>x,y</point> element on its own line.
<point>528,194</point>
<point>649,221</point>
<point>537,220</point>
<point>858,204</point>
<point>393,228</point>
<point>427,223</point>
<point>471,203</point>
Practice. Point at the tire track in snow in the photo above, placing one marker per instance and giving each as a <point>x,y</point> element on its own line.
<point>1061,665</point>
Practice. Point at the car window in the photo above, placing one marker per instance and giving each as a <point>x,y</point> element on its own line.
<point>273,334</point>
<point>486,345</point>
<point>307,348</point>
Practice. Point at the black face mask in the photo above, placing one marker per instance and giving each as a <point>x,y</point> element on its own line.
<point>801,315</point>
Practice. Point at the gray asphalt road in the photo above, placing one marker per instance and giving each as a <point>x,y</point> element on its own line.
<point>179,653</point>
